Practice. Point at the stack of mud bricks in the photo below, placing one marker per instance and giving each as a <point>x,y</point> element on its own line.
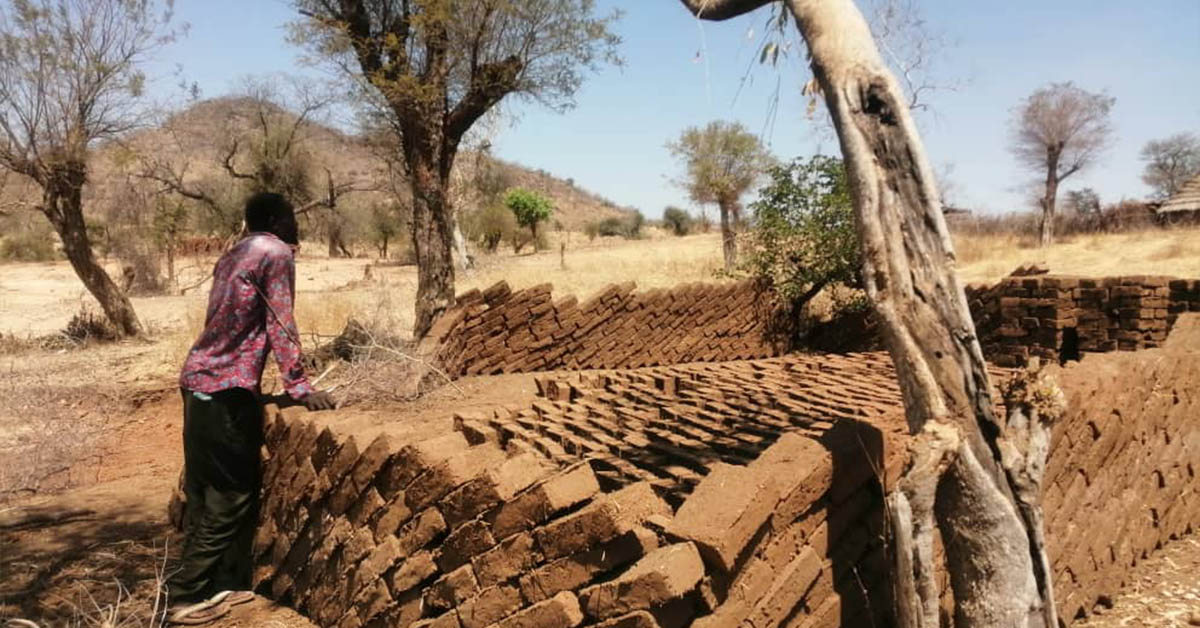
<point>501,331</point>
<point>1023,317</point>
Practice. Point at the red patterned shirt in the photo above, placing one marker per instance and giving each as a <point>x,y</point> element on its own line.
<point>249,314</point>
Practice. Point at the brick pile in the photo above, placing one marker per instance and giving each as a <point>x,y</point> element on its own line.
<point>746,493</point>
<point>1047,316</point>
<point>501,331</point>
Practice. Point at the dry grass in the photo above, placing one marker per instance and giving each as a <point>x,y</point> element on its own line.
<point>1173,252</point>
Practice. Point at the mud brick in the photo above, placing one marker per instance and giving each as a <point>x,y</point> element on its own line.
<point>407,610</point>
<point>391,517</point>
<point>514,555</point>
<point>787,591</point>
<point>560,611</point>
<point>451,473</point>
<point>609,516</point>
<point>636,619</point>
<point>358,545</point>
<point>665,574</point>
<point>419,532</point>
<point>726,510</point>
<point>370,602</point>
<point>449,619</point>
<point>490,606</point>
<point>366,506</point>
<point>378,561</point>
<point>463,544</point>
<point>415,459</point>
<point>577,570</point>
<point>412,572</point>
<point>452,589</point>
<point>538,503</point>
<point>368,463</point>
<point>496,485</point>
<point>474,428</point>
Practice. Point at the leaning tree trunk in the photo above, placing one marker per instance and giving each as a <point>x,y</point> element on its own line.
<point>432,231</point>
<point>64,208</point>
<point>962,464</point>
<point>1050,195</point>
<point>728,234</point>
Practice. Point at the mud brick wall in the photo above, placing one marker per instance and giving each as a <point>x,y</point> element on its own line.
<point>502,331</point>
<point>1054,317</point>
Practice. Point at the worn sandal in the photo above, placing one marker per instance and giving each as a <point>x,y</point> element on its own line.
<point>234,598</point>
<point>197,614</point>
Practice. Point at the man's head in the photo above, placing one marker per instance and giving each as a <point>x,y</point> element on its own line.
<point>270,212</point>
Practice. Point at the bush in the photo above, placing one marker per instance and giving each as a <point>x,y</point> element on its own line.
<point>29,246</point>
<point>804,236</point>
<point>677,220</point>
<point>489,226</point>
<point>530,209</point>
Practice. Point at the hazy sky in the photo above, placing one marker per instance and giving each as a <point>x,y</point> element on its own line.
<point>680,72</point>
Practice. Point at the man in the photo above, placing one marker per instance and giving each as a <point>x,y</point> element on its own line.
<point>249,314</point>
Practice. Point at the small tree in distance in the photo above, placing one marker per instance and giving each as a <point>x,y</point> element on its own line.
<point>723,160</point>
<point>1058,131</point>
<point>530,209</point>
<point>804,238</point>
<point>1170,162</point>
<point>677,220</point>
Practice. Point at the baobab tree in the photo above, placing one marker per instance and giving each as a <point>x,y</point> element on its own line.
<point>1058,131</point>
<point>723,160</point>
<point>978,474</point>
<point>433,69</point>
<point>70,77</point>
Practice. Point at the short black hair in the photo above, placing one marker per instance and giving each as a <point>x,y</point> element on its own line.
<point>265,210</point>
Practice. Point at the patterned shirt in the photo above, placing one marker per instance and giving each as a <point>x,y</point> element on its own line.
<point>241,326</point>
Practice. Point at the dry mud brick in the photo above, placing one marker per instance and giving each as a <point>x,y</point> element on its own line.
<point>726,511</point>
<point>469,540</point>
<point>512,557</point>
<point>540,502</point>
<point>663,575</point>
<point>560,611</point>
<point>496,485</point>
<point>412,572</point>
<point>452,589</point>
<point>577,570</point>
<point>450,473</point>
<point>490,606</point>
<point>607,517</point>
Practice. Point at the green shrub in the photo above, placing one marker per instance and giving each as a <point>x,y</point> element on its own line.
<point>677,220</point>
<point>804,236</point>
<point>530,209</point>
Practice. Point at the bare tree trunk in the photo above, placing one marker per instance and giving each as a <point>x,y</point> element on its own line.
<point>1046,226</point>
<point>989,520</point>
<point>462,255</point>
<point>728,235</point>
<point>63,205</point>
<point>432,231</point>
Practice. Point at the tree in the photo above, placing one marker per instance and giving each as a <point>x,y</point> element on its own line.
<point>979,475</point>
<point>435,67</point>
<point>1085,202</point>
<point>803,238</point>
<point>1170,163</point>
<point>385,224</point>
<point>530,209</point>
<point>723,160</point>
<point>70,77</point>
<point>1058,131</point>
<point>677,220</point>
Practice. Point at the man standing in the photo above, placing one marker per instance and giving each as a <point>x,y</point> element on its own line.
<point>249,314</point>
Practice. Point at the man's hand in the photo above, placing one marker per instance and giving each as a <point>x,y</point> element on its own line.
<point>319,400</point>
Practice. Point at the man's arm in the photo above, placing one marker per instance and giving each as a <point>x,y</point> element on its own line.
<point>278,281</point>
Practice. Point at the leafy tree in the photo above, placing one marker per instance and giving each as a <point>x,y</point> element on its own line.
<point>70,77</point>
<point>677,220</point>
<point>433,68</point>
<point>1058,131</point>
<point>723,160</point>
<point>1170,163</point>
<point>804,238</point>
<point>530,209</point>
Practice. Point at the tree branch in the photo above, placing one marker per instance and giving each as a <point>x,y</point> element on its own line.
<point>717,10</point>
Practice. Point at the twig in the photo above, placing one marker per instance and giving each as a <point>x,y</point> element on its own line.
<point>401,354</point>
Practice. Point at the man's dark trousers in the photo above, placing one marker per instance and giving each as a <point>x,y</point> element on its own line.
<point>222,436</point>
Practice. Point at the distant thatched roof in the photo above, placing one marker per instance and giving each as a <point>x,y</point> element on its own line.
<point>1186,199</point>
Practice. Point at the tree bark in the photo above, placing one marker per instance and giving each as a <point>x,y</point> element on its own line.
<point>63,206</point>
<point>465,261</point>
<point>432,231</point>
<point>728,234</point>
<point>1050,195</point>
<point>992,541</point>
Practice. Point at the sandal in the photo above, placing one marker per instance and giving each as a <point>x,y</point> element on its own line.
<point>197,614</point>
<point>234,598</point>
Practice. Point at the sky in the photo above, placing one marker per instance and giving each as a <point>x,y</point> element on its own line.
<point>680,72</point>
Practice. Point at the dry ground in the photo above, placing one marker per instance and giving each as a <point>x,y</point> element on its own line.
<point>97,429</point>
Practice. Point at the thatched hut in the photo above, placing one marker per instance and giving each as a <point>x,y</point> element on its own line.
<point>1183,205</point>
